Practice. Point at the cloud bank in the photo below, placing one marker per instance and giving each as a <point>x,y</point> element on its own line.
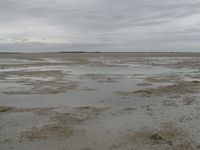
<point>99,25</point>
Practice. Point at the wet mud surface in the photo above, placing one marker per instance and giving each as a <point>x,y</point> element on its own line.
<point>166,137</point>
<point>100,101</point>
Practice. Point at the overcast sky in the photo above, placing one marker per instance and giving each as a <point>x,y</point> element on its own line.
<point>99,25</point>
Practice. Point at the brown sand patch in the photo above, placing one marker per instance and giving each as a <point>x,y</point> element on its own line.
<point>62,125</point>
<point>62,128</point>
<point>179,88</point>
<point>37,82</point>
<point>102,78</point>
<point>163,78</point>
<point>144,84</point>
<point>38,111</point>
<point>88,89</point>
<point>127,110</point>
<point>167,137</point>
<point>88,112</point>
<point>51,131</point>
<point>44,87</point>
<point>65,118</point>
<point>5,109</point>
<point>52,73</point>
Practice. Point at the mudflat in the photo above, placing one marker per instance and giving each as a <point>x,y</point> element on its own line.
<point>100,101</point>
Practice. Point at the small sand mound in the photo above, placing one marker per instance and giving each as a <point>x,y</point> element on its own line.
<point>165,138</point>
<point>52,131</point>
<point>61,125</point>
<point>179,88</point>
<point>4,109</point>
<point>61,129</point>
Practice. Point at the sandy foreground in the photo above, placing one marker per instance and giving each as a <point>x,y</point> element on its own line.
<point>100,101</point>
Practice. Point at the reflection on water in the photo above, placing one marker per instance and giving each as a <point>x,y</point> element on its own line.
<point>97,84</point>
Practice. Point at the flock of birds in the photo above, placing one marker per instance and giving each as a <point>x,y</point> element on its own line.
<point>104,60</point>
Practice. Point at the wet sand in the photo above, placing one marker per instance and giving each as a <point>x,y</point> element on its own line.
<point>100,101</point>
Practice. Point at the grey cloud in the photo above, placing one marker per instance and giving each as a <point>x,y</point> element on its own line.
<point>109,25</point>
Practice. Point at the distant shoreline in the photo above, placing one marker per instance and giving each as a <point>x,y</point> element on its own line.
<point>98,54</point>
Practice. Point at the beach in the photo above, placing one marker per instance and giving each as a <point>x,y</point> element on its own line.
<point>100,101</point>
